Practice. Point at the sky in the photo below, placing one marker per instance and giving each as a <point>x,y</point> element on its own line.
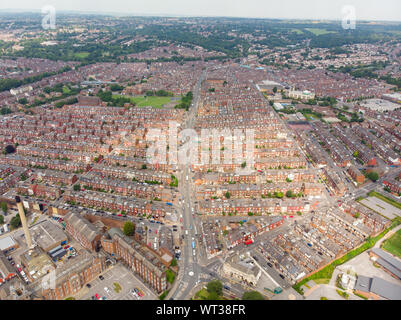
<point>389,10</point>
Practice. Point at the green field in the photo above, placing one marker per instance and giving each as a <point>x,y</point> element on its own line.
<point>393,245</point>
<point>298,31</point>
<point>66,90</point>
<point>156,102</point>
<point>81,55</point>
<point>318,32</point>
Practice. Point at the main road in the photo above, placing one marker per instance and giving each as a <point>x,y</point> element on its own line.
<point>190,269</point>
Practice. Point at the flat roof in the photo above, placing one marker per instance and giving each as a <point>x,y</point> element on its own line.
<point>47,234</point>
<point>6,243</point>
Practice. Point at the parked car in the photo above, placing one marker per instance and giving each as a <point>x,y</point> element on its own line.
<point>89,285</point>
<point>101,277</point>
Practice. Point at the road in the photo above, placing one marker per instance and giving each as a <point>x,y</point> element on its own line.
<point>190,270</point>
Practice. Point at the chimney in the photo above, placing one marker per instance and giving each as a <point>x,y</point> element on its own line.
<point>23,221</point>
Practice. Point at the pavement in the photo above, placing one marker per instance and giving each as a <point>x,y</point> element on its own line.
<point>382,207</point>
<point>116,274</point>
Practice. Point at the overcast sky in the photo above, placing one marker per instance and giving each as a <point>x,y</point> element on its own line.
<point>300,9</point>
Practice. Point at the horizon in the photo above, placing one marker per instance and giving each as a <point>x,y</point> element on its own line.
<point>385,11</point>
<point>162,15</point>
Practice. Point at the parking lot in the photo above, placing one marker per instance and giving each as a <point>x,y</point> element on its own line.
<point>382,207</point>
<point>125,278</point>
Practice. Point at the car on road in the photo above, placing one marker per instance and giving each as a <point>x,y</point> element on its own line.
<point>97,296</point>
<point>88,285</point>
<point>107,290</point>
<point>281,276</point>
<point>270,265</point>
<point>101,277</point>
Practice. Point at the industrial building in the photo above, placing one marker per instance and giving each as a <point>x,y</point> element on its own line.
<point>47,235</point>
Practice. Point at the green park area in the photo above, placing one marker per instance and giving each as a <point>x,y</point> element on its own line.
<point>81,55</point>
<point>318,31</point>
<point>393,244</point>
<point>145,101</point>
<point>212,291</point>
<point>297,31</point>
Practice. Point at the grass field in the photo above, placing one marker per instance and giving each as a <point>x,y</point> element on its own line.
<point>318,32</point>
<point>298,31</point>
<point>393,245</point>
<point>82,55</point>
<point>156,102</point>
<point>201,295</point>
<point>66,90</point>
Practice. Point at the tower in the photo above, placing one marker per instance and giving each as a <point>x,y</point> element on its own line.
<point>23,222</point>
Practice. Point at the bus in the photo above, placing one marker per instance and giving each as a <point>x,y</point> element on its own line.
<point>193,244</point>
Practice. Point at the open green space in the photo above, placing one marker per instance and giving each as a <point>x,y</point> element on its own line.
<point>144,101</point>
<point>298,31</point>
<point>318,31</point>
<point>393,245</point>
<point>170,275</point>
<point>81,55</point>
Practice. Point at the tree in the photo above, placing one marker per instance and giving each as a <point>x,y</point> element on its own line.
<point>228,195</point>
<point>252,295</point>
<point>173,263</point>
<point>215,286</point>
<point>289,194</point>
<point>77,187</point>
<point>129,228</point>
<point>15,222</point>
<point>1,219</point>
<point>4,206</point>
<point>275,89</point>
<point>374,176</point>
<point>9,149</point>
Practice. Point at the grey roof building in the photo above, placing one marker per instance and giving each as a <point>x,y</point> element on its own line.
<point>388,262</point>
<point>378,287</point>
